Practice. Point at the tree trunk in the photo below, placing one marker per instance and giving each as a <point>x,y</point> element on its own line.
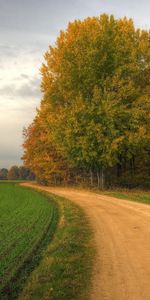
<point>55,180</point>
<point>125,165</point>
<point>102,178</point>
<point>98,179</point>
<point>91,177</point>
<point>119,166</point>
<point>133,164</point>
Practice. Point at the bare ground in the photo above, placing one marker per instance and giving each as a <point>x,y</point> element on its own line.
<point>122,237</point>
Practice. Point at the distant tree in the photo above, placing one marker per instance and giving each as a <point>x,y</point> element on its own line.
<point>13,173</point>
<point>31,176</point>
<point>23,173</point>
<point>3,174</point>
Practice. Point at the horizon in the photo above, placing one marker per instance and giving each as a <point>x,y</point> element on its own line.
<point>27,29</point>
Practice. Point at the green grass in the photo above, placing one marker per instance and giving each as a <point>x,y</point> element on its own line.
<point>26,218</point>
<point>12,181</point>
<point>138,196</point>
<point>46,247</point>
<point>65,271</point>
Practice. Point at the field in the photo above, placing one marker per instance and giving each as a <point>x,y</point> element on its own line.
<point>25,218</point>
<point>45,246</point>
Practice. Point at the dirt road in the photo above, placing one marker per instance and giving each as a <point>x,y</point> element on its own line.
<point>122,237</point>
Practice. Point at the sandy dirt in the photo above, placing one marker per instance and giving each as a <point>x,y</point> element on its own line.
<point>122,237</point>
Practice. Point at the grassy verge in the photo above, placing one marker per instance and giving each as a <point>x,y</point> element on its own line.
<point>65,271</point>
<point>13,181</point>
<point>138,196</point>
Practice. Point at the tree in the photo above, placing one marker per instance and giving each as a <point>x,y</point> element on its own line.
<point>95,102</point>
<point>40,154</point>
<point>25,173</point>
<point>3,174</point>
<point>13,173</point>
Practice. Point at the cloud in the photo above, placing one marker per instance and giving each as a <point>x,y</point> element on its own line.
<point>24,76</point>
<point>30,89</point>
<point>7,50</point>
<point>11,135</point>
<point>26,29</point>
<point>7,90</point>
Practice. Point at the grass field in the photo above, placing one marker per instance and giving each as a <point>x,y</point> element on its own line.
<point>46,247</point>
<point>25,218</point>
<point>12,181</point>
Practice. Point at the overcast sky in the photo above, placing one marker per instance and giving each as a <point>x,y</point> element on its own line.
<point>27,27</point>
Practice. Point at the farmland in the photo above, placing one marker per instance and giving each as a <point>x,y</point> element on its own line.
<point>26,217</point>
<point>46,243</point>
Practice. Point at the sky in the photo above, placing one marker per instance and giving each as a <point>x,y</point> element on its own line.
<point>27,27</point>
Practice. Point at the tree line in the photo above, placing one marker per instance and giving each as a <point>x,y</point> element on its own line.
<point>16,173</point>
<point>93,124</point>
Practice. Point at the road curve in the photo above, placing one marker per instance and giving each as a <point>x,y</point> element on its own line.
<point>122,237</point>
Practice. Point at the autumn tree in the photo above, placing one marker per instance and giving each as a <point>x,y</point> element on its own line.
<point>40,154</point>
<point>13,173</point>
<point>95,102</point>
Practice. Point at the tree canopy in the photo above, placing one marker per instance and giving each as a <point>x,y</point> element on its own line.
<point>95,110</point>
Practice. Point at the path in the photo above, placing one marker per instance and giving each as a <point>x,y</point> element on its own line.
<point>122,236</point>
